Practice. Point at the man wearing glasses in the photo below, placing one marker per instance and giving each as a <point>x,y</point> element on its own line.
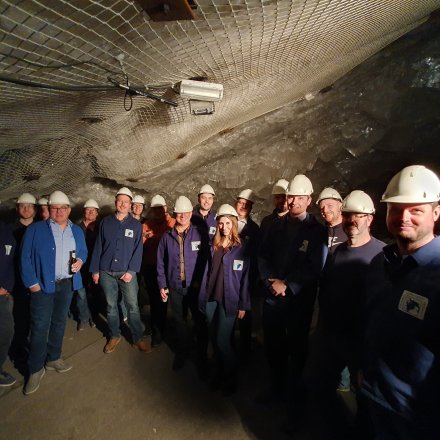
<point>341,300</point>
<point>52,254</point>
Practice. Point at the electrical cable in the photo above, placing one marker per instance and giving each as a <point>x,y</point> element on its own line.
<point>59,66</point>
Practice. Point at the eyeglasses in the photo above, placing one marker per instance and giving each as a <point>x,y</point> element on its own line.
<point>61,209</point>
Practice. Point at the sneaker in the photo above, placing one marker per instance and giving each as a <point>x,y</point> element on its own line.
<point>59,366</point>
<point>6,380</point>
<point>92,323</point>
<point>33,382</point>
<point>143,345</point>
<point>81,326</point>
<point>111,344</point>
<point>343,388</point>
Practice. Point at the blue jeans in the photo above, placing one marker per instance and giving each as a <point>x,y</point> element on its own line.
<point>220,331</point>
<point>48,322</point>
<point>111,284</point>
<point>83,305</point>
<point>6,327</point>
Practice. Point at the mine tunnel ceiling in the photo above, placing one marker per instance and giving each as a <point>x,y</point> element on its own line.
<point>64,124</point>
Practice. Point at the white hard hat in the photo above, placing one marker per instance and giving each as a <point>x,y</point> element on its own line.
<point>246,194</point>
<point>125,191</point>
<point>42,201</point>
<point>157,200</point>
<point>413,184</point>
<point>91,203</point>
<point>138,199</point>
<point>183,204</point>
<point>226,210</point>
<point>280,187</point>
<point>27,198</point>
<point>329,193</point>
<point>300,186</point>
<point>359,202</point>
<point>207,189</point>
<point>58,198</point>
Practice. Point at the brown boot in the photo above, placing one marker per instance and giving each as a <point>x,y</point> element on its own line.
<point>111,344</point>
<point>143,345</point>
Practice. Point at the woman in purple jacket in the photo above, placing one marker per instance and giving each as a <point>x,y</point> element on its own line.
<point>225,293</point>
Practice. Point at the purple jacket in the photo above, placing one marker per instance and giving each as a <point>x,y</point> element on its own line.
<point>196,254</point>
<point>209,223</point>
<point>236,297</point>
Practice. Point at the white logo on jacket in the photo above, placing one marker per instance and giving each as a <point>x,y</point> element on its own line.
<point>195,245</point>
<point>8,249</point>
<point>129,233</point>
<point>304,246</point>
<point>413,304</point>
<point>238,265</point>
<point>212,230</point>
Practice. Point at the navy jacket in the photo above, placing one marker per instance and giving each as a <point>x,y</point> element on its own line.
<point>402,339</point>
<point>37,259</point>
<point>196,254</point>
<point>118,246</point>
<point>209,223</point>
<point>294,252</point>
<point>7,251</point>
<point>236,296</point>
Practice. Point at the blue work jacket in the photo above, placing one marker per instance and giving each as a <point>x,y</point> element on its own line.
<point>401,361</point>
<point>236,295</point>
<point>209,222</point>
<point>196,254</point>
<point>118,246</point>
<point>37,259</point>
<point>293,251</point>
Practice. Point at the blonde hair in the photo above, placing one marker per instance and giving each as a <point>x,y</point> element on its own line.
<point>234,237</point>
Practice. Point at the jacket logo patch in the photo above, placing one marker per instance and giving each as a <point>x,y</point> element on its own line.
<point>8,249</point>
<point>211,230</point>
<point>129,233</point>
<point>238,265</point>
<point>413,304</point>
<point>195,245</point>
<point>304,246</point>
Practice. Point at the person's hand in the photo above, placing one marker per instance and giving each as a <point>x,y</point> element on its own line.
<point>95,278</point>
<point>164,294</point>
<point>127,277</point>
<point>76,267</point>
<point>35,288</point>
<point>278,287</point>
<point>3,291</point>
<point>241,314</point>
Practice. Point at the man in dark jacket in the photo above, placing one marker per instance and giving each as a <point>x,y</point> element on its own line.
<point>7,277</point>
<point>291,259</point>
<point>402,338</point>
<point>181,260</point>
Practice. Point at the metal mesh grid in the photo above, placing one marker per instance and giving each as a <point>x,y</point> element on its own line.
<point>266,53</point>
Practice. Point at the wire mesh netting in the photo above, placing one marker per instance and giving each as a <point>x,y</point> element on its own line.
<point>63,121</point>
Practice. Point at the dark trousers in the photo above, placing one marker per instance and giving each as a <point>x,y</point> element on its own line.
<point>6,327</point>
<point>21,313</point>
<point>48,322</point>
<point>158,308</point>
<point>286,324</point>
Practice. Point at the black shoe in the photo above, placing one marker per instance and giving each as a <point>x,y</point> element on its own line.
<point>156,340</point>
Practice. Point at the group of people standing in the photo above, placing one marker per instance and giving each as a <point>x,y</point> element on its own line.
<point>378,305</point>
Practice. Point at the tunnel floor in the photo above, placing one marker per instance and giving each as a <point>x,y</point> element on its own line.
<point>132,395</point>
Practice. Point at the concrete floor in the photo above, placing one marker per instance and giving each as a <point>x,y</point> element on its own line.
<point>128,395</point>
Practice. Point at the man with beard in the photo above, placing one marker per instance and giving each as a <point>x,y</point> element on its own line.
<point>203,215</point>
<point>279,202</point>
<point>341,301</point>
